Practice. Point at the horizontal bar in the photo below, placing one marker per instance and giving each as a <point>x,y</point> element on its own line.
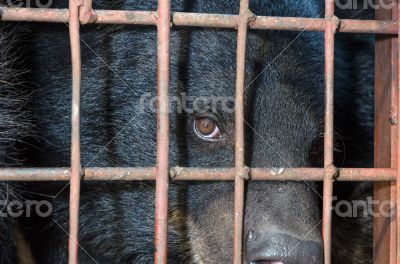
<point>285,23</point>
<point>200,20</point>
<point>193,174</point>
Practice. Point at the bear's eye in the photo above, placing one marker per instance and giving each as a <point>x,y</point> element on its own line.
<point>207,129</point>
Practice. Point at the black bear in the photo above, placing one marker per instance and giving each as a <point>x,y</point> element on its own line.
<point>284,100</point>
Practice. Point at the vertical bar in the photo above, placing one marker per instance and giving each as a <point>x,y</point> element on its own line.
<point>239,134</point>
<point>331,23</point>
<point>161,210</point>
<point>385,146</point>
<point>75,132</point>
<point>398,144</point>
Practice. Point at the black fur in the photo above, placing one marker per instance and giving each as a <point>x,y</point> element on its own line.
<point>14,125</point>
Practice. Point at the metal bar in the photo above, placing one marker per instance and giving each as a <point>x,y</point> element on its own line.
<point>75,132</point>
<point>385,146</point>
<point>331,23</point>
<point>398,144</point>
<point>199,20</point>
<point>196,174</point>
<point>162,167</point>
<point>126,17</point>
<point>318,24</point>
<point>240,175</point>
<point>86,12</point>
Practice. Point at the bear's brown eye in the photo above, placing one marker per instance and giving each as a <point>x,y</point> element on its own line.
<point>207,129</point>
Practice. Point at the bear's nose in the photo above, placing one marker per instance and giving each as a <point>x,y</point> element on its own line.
<point>281,248</point>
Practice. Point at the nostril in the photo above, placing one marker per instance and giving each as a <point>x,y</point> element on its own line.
<point>277,248</point>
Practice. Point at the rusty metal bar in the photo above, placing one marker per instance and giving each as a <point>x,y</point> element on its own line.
<point>197,20</point>
<point>196,174</point>
<point>240,174</point>
<point>331,24</point>
<point>162,167</point>
<point>398,143</point>
<point>34,14</point>
<point>385,146</point>
<point>86,12</point>
<point>75,132</point>
<point>126,17</point>
<point>318,24</point>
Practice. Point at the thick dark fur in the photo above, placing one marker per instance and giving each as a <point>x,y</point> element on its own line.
<point>14,125</point>
<point>284,105</point>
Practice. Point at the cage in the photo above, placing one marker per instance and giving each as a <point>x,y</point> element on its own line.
<point>387,144</point>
